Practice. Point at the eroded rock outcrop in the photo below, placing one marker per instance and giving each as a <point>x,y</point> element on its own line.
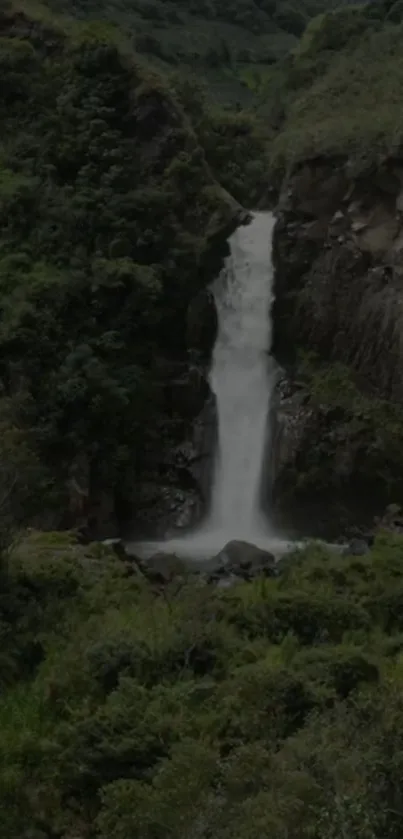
<point>243,560</point>
<point>338,251</point>
<point>238,561</point>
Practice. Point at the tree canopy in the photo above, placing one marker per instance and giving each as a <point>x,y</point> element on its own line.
<point>270,709</point>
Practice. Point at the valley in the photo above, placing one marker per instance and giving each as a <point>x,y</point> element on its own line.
<point>201,416</point>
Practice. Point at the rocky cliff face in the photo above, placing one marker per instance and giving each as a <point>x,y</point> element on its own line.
<point>338,251</point>
<point>338,314</point>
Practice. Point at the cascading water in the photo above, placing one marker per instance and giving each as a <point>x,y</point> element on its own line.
<point>242,378</point>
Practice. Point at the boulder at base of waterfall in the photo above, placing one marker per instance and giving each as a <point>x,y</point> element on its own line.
<point>241,559</point>
<point>163,568</point>
<point>357,547</point>
<point>391,521</point>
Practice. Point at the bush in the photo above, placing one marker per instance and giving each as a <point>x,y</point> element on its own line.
<point>312,618</point>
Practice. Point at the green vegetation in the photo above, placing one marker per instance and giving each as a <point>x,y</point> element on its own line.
<point>234,142</point>
<point>103,245</point>
<point>271,709</point>
<point>341,88</point>
<point>114,188</point>
<point>230,44</point>
<point>208,33</point>
<point>357,460</point>
<point>378,420</point>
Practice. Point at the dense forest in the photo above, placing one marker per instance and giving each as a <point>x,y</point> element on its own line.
<point>340,89</point>
<point>134,134</point>
<point>229,44</point>
<point>103,246</point>
<point>132,709</point>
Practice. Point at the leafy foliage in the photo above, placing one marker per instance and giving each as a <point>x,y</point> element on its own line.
<point>292,724</point>
<point>269,710</point>
<point>210,35</point>
<point>340,89</point>
<point>234,142</point>
<point>369,425</point>
<point>102,247</point>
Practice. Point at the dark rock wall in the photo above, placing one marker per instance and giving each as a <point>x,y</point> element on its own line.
<point>338,252</point>
<point>173,490</point>
<point>339,273</point>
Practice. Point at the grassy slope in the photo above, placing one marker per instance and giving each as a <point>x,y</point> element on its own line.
<point>341,89</point>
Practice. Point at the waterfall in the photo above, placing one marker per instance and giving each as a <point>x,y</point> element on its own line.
<point>242,378</point>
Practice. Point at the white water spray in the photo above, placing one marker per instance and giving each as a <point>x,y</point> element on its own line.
<point>242,378</point>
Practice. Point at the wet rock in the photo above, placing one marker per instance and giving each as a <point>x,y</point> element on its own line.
<point>203,447</point>
<point>244,216</point>
<point>161,508</point>
<point>131,564</point>
<point>228,581</point>
<point>242,559</point>
<point>292,415</point>
<point>202,324</point>
<point>357,547</point>
<point>392,519</point>
<point>117,546</point>
<point>162,568</point>
<point>187,394</point>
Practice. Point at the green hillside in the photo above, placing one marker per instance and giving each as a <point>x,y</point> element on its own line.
<point>102,247</point>
<point>133,711</point>
<point>340,91</point>
<point>135,704</point>
<point>232,44</point>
